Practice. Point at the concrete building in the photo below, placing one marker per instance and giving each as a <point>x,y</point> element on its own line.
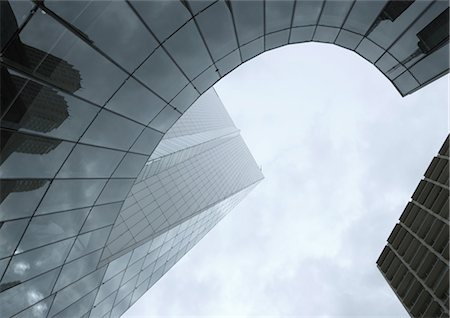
<point>415,261</point>
<point>93,97</point>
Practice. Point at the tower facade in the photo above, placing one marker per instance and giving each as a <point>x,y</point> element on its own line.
<point>415,261</point>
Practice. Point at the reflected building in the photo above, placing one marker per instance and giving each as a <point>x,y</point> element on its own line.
<point>415,261</point>
<point>108,174</point>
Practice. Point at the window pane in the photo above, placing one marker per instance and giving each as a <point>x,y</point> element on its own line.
<point>27,265</point>
<point>185,98</point>
<point>116,266</point>
<point>89,242</point>
<point>307,12</point>
<point>277,39</point>
<point>249,20</point>
<point>136,102</point>
<point>20,198</point>
<point>53,227</point>
<point>302,34</point>
<point>363,14</point>
<point>252,49</point>
<point>90,162</point>
<point>30,156</point>
<point>147,141</point>
<point>165,119</point>
<point>70,194</point>
<point>23,295</point>
<point>278,15</point>
<point>101,215</point>
<point>348,39</point>
<point>163,17</point>
<point>44,110</point>
<point>325,34</point>
<point>38,310</point>
<point>115,190</point>
<point>229,63</point>
<point>334,12</point>
<point>161,74</point>
<point>189,51</point>
<point>10,234</point>
<point>111,130</point>
<point>216,26</point>
<point>130,166</point>
<point>207,79</point>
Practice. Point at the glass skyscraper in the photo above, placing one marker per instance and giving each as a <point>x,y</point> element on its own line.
<point>106,173</point>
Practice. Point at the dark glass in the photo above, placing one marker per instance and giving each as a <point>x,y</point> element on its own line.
<point>165,119</point>
<point>307,12</point>
<point>90,162</point>
<point>188,50</point>
<point>19,198</point>
<point>13,15</point>
<point>406,82</point>
<point>135,101</point>
<point>249,20</point>
<point>185,98</point>
<point>114,28</point>
<point>10,234</point>
<point>431,65</point>
<point>113,131</point>
<point>278,15</point>
<point>216,26</point>
<point>70,194</point>
<point>25,156</point>
<point>335,12</point>
<point>51,228</point>
<point>369,50</point>
<point>163,17</point>
<point>162,75</point>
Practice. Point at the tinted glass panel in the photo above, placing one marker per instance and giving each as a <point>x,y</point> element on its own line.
<point>216,26</point>
<point>186,97</point>
<point>10,234</point>
<point>135,101</point>
<point>130,166</point>
<point>165,119</point>
<point>115,190</point>
<point>249,17</point>
<point>334,12</point>
<point>31,156</point>
<point>70,194</point>
<point>90,162</point>
<point>89,242</point>
<point>189,51</point>
<point>147,141</point>
<point>53,227</point>
<point>307,12</point>
<point>278,15</point>
<point>101,216</point>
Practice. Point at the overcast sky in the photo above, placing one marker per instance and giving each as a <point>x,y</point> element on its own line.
<point>342,153</point>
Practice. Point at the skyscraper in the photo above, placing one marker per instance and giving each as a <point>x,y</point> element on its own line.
<point>416,257</point>
<point>89,93</point>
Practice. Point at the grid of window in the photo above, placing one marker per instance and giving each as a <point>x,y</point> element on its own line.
<point>90,88</point>
<point>415,262</point>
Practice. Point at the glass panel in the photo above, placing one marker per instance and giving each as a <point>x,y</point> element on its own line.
<point>216,26</point>
<point>278,15</point>
<point>136,102</point>
<point>70,194</point>
<point>111,130</point>
<point>161,74</point>
<point>132,270</point>
<point>51,228</point>
<point>163,17</point>
<point>27,265</point>
<point>185,98</point>
<point>126,289</point>
<point>229,63</point>
<point>90,162</point>
<point>307,12</point>
<point>31,156</point>
<point>38,310</point>
<point>405,83</point>
<point>165,119</point>
<point>363,14</point>
<point>130,166</point>
<point>114,28</point>
<point>302,34</point>
<point>115,190</point>
<point>277,39</point>
<point>386,32</point>
<point>44,110</point>
<point>78,308</point>
<point>20,198</point>
<point>77,269</point>
<point>369,50</point>
<point>197,6</point>
<point>104,306</point>
<point>26,294</point>
<point>147,141</point>
<point>10,234</point>
<point>70,63</point>
<point>101,215</point>
<point>348,39</point>
<point>3,263</point>
<point>189,51</point>
<point>252,49</point>
<point>334,12</point>
<point>89,242</point>
<point>431,65</point>
<point>249,20</point>
<point>325,34</point>
<point>116,266</point>
<point>14,13</point>
<point>120,308</point>
<point>207,79</point>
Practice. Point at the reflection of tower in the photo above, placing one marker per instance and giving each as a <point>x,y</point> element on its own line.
<point>10,186</point>
<point>391,11</point>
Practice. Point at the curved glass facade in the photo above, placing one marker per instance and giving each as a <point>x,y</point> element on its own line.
<point>92,101</point>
